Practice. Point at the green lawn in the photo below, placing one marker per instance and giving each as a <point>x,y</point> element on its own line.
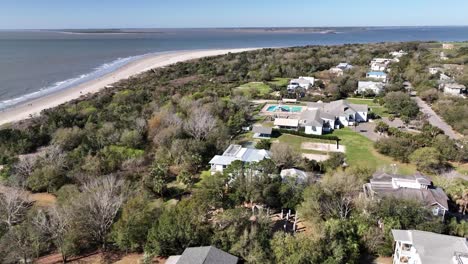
<point>280,81</point>
<point>375,107</point>
<point>259,88</point>
<point>360,152</point>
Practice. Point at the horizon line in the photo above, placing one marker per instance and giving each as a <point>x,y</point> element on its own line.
<point>233,27</point>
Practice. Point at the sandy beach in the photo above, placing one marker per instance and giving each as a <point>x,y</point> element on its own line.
<point>34,107</point>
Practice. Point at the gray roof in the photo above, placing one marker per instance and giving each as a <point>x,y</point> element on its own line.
<point>381,186</point>
<point>237,152</point>
<point>206,255</point>
<point>262,130</point>
<point>432,248</point>
<point>339,108</point>
<point>311,118</point>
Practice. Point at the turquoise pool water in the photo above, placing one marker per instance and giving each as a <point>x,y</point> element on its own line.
<point>284,108</point>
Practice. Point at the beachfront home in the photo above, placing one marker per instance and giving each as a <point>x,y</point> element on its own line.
<point>415,187</point>
<point>237,152</point>
<point>316,121</point>
<point>286,123</point>
<point>344,113</point>
<point>378,75</point>
<point>203,255</point>
<point>370,87</point>
<point>380,64</point>
<point>299,176</point>
<point>301,82</point>
<point>262,132</point>
<point>454,89</point>
<point>421,247</point>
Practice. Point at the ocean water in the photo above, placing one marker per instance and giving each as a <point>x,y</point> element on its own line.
<point>35,63</point>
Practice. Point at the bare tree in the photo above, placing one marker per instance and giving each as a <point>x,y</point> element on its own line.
<point>284,155</point>
<point>56,224</point>
<point>23,168</point>
<point>200,123</point>
<point>14,204</point>
<point>100,201</point>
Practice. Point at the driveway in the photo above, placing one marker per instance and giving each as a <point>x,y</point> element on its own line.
<point>435,120</point>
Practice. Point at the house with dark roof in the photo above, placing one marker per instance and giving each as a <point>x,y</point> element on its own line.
<point>421,247</point>
<point>415,187</point>
<point>237,152</point>
<point>203,255</point>
<point>262,132</point>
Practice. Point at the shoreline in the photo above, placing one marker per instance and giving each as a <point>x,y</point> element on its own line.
<point>32,108</point>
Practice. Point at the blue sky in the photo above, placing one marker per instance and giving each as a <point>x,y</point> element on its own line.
<point>17,14</point>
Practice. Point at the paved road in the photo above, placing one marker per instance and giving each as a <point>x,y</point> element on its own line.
<point>435,120</point>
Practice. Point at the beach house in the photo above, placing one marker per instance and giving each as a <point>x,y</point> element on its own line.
<point>343,113</point>
<point>378,75</point>
<point>336,71</point>
<point>414,187</point>
<point>370,87</point>
<point>262,132</point>
<point>301,82</point>
<point>237,152</point>
<point>203,255</point>
<point>454,89</point>
<point>421,247</point>
<point>286,123</point>
<point>316,121</point>
<point>298,176</point>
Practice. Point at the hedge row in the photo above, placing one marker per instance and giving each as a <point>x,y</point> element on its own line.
<point>302,134</point>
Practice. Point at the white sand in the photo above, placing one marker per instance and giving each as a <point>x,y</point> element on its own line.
<point>34,107</point>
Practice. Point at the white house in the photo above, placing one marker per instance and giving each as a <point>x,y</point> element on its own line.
<point>415,187</point>
<point>454,89</point>
<point>298,175</point>
<point>344,66</point>
<point>303,82</point>
<point>378,67</point>
<point>336,71</point>
<point>317,121</point>
<point>421,247</point>
<point>286,123</point>
<point>369,86</point>
<point>343,113</point>
<point>398,54</point>
<point>377,75</point>
<point>237,152</point>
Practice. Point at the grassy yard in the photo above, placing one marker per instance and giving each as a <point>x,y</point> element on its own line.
<point>280,81</point>
<point>360,152</point>
<point>251,88</point>
<point>296,142</point>
<point>375,107</point>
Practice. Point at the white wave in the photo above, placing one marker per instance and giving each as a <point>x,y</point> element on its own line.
<point>98,72</point>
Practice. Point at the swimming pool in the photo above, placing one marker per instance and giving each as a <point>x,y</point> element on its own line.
<point>284,108</point>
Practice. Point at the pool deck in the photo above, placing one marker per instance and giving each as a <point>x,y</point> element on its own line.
<point>282,114</point>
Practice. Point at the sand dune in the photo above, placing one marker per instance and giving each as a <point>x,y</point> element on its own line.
<point>34,107</point>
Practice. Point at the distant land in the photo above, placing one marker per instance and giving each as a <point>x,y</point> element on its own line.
<point>320,30</point>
